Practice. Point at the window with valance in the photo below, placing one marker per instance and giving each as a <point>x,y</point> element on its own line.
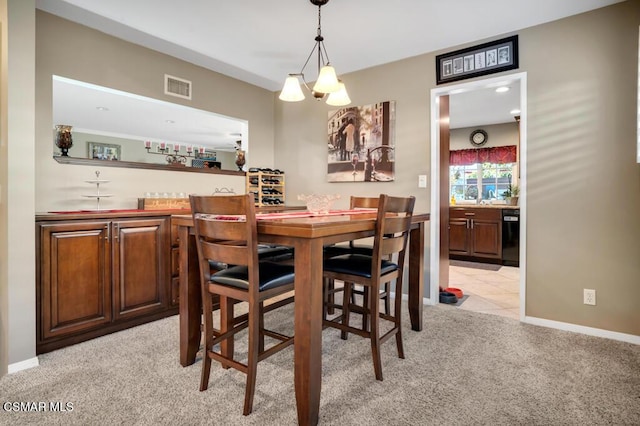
<point>481,174</point>
<point>495,155</point>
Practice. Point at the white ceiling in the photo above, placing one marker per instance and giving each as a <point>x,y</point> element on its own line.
<point>484,106</point>
<point>260,42</point>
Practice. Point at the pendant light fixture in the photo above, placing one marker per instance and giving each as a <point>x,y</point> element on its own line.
<point>327,81</point>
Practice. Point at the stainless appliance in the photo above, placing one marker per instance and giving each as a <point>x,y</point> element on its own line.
<point>511,237</point>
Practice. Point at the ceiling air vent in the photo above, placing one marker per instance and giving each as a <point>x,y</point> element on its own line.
<point>175,86</point>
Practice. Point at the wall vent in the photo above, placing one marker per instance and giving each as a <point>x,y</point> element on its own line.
<point>175,86</point>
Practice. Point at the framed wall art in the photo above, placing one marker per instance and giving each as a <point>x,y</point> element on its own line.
<point>488,58</point>
<point>103,151</point>
<point>361,145</point>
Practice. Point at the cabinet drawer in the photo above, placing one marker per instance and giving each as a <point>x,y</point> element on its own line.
<point>475,213</point>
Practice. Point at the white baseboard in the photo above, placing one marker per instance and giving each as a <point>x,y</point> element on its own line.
<point>23,365</point>
<point>598,332</point>
<point>590,331</point>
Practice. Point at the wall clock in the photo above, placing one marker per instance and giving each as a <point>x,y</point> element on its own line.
<point>478,137</point>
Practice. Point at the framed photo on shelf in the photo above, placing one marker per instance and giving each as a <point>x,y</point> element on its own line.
<point>488,58</point>
<point>103,151</point>
<point>207,154</point>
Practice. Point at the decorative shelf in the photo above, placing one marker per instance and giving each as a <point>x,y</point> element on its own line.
<point>148,166</point>
<point>97,181</point>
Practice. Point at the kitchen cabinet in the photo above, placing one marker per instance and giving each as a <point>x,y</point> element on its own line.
<point>96,275</point>
<point>475,233</point>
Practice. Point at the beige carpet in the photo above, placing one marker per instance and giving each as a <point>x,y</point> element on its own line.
<point>465,368</point>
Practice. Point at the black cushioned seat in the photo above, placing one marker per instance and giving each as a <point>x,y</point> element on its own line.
<point>272,253</point>
<point>272,275</point>
<point>339,250</point>
<point>357,264</point>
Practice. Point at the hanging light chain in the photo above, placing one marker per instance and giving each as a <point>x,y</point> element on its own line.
<point>326,82</point>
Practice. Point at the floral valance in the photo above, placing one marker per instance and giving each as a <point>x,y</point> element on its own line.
<point>496,155</point>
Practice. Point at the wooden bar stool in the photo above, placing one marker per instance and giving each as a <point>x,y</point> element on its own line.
<point>226,232</point>
<point>372,271</point>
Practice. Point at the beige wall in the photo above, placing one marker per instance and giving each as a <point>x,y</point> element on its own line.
<point>499,135</point>
<point>17,258</point>
<point>583,181</point>
<point>70,50</point>
<point>4,221</point>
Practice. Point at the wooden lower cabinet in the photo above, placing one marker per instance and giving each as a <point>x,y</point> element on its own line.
<point>475,233</point>
<point>99,276</point>
<point>75,278</point>
<point>141,265</point>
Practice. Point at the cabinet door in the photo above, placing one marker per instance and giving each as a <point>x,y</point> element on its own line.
<point>141,266</point>
<point>458,237</point>
<point>487,238</point>
<point>74,278</point>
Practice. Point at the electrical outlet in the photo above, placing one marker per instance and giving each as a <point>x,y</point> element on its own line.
<point>589,297</point>
<point>422,181</point>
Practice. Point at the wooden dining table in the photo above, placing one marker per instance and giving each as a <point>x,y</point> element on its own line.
<point>307,234</point>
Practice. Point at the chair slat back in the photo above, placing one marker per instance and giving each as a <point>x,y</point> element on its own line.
<point>364,202</point>
<point>392,229</point>
<point>225,229</point>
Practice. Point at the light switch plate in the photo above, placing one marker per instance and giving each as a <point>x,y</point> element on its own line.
<point>422,181</point>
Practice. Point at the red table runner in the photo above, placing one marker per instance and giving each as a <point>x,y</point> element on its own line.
<point>290,215</point>
<point>284,215</point>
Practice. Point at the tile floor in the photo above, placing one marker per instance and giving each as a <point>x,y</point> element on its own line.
<point>491,292</point>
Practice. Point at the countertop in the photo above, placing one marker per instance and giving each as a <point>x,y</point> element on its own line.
<point>116,213</point>
<point>484,206</point>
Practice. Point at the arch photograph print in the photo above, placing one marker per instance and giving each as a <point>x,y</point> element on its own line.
<point>361,145</point>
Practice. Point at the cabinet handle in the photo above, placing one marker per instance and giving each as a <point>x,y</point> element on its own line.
<point>471,223</point>
<point>116,232</point>
<point>106,228</point>
<point>470,214</point>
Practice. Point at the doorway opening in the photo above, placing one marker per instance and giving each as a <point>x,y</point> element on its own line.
<point>441,189</point>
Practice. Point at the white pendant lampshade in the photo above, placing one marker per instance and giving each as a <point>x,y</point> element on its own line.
<point>327,80</point>
<point>339,98</point>
<point>291,92</point>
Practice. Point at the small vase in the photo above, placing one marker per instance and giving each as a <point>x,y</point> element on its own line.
<point>63,138</point>
<point>240,159</point>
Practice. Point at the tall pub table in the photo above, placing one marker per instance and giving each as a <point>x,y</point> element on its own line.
<point>307,235</point>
